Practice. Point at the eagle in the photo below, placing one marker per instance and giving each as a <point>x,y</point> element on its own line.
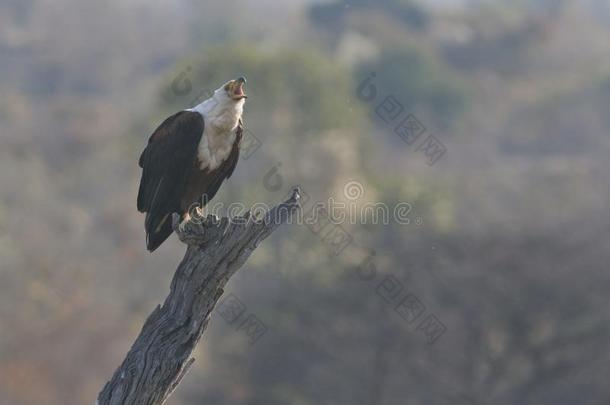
<point>188,157</point>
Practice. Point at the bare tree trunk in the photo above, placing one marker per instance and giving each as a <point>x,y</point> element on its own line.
<point>161,354</point>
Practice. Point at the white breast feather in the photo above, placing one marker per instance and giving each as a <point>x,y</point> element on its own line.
<point>221,116</point>
<point>215,147</point>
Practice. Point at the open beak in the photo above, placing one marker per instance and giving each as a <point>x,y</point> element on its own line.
<point>237,89</point>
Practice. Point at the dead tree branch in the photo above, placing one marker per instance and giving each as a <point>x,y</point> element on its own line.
<point>161,354</point>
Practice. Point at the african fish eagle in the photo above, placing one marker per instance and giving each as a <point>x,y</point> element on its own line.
<point>188,157</point>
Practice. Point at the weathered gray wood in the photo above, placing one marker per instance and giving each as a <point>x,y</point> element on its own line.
<point>161,354</point>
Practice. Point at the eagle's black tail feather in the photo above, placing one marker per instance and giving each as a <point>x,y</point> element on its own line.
<point>157,231</point>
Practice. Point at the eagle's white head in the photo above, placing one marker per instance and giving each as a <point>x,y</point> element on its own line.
<point>224,109</point>
<point>232,90</point>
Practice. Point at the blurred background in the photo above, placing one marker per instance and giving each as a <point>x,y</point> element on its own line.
<point>495,292</point>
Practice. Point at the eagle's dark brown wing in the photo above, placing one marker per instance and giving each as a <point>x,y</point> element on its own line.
<point>167,162</point>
